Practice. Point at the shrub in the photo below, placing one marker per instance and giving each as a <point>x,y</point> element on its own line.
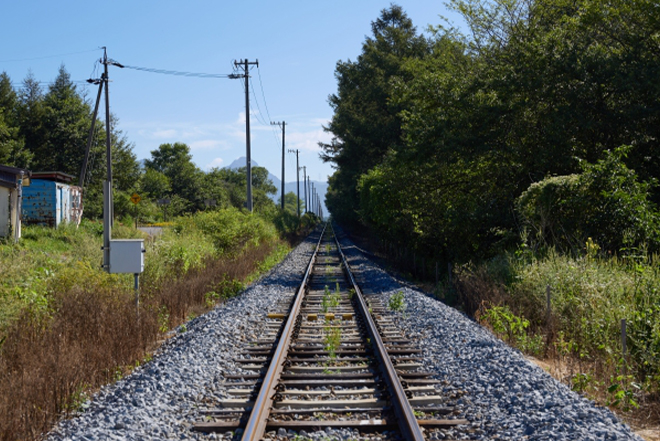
<point>230,230</point>
<point>67,327</point>
<point>606,203</point>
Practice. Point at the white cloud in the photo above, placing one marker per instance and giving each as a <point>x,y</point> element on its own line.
<point>208,144</point>
<point>308,141</point>
<point>217,162</point>
<point>163,134</point>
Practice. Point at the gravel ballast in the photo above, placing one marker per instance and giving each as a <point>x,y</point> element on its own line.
<point>503,395</point>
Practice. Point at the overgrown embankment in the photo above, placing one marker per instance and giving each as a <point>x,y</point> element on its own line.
<point>581,331</point>
<point>67,327</point>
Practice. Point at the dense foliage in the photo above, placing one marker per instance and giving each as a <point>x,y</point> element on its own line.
<point>526,155</point>
<point>435,139</point>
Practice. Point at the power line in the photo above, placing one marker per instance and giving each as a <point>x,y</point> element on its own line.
<point>260,114</point>
<point>263,96</point>
<point>256,101</point>
<point>48,83</point>
<point>179,73</point>
<point>48,56</point>
<point>261,84</point>
<point>260,117</point>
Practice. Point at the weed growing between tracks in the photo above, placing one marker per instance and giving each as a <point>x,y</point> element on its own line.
<point>76,328</point>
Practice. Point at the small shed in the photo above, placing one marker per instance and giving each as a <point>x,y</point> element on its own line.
<point>52,200</point>
<point>12,180</point>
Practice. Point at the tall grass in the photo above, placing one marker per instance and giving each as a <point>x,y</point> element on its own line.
<point>68,327</point>
<point>590,296</point>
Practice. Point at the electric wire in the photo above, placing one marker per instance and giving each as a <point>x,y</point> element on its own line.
<point>259,114</point>
<point>263,96</point>
<point>261,84</point>
<point>179,73</point>
<point>276,135</point>
<point>48,56</point>
<point>19,86</point>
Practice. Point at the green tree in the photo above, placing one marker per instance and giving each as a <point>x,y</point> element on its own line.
<point>365,124</point>
<point>539,88</point>
<point>216,188</point>
<point>155,185</point>
<point>12,146</point>
<point>31,114</point>
<point>291,203</point>
<point>175,162</point>
<point>8,100</point>
<point>236,184</point>
<point>66,123</point>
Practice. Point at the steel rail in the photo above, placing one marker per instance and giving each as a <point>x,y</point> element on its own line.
<point>402,409</point>
<point>256,425</point>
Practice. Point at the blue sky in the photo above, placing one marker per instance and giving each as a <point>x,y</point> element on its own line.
<point>297,44</point>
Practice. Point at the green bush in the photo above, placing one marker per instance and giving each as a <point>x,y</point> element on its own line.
<point>230,230</point>
<point>606,203</point>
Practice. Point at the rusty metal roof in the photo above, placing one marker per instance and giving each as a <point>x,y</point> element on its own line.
<point>53,176</point>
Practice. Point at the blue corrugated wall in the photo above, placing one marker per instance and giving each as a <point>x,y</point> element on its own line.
<point>40,203</point>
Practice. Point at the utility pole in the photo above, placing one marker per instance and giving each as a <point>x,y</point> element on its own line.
<point>282,124</point>
<point>305,184</point>
<point>245,64</point>
<point>107,188</point>
<point>297,152</point>
<point>108,206</point>
<point>309,186</point>
<point>313,199</point>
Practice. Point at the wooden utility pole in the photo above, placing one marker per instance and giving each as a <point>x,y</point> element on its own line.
<point>282,124</point>
<point>297,152</point>
<point>245,64</point>
<point>305,182</point>
<point>107,188</point>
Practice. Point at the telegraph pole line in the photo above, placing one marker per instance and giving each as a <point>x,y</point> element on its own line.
<point>309,187</point>
<point>297,152</point>
<point>108,206</point>
<point>282,124</point>
<point>245,64</point>
<point>107,189</point>
<point>108,209</point>
<point>305,182</point>
<point>313,199</point>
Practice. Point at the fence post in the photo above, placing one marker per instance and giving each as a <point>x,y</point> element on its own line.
<point>548,305</point>
<point>623,346</point>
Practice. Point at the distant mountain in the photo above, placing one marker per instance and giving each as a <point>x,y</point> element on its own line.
<point>240,162</point>
<point>320,187</point>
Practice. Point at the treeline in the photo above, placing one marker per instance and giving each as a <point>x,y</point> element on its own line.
<point>540,127</point>
<point>47,130</point>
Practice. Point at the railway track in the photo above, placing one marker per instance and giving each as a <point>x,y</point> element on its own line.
<point>330,356</point>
